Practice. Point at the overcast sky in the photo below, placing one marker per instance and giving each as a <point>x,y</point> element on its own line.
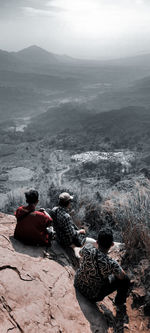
<point>80,28</point>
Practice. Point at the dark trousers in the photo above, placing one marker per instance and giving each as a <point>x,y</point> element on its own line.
<point>115,284</point>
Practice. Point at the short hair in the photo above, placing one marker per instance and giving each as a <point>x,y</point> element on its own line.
<point>31,196</point>
<point>105,238</point>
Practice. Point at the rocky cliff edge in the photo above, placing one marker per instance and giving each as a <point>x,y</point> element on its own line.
<point>37,293</point>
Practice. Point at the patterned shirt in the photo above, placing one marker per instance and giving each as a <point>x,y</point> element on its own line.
<point>65,229</point>
<point>95,268</point>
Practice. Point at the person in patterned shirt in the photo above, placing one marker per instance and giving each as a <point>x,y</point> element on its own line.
<point>68,234</point>
<point>98,274</point>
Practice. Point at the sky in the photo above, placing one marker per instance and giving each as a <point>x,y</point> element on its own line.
<point>91,29</point>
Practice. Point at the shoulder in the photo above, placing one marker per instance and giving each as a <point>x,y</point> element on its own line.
<point>21,210</point>
<point>41,215</point>
<point>67,216</point>
<point>116,268</point>
<point>62,212</point>
<point>88,249</point>
<point>105,261</point>
<point>54,209</point>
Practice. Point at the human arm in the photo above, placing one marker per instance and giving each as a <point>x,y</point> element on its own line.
<point>117,270</point>
<point>43,210</point>
<point>121,275</point>
<point>81,231</point>
<point>68,229</point>
<point>45,220</point>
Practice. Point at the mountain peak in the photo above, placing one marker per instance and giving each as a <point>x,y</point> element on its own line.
<point>32,48</point>
<point>37,54</point>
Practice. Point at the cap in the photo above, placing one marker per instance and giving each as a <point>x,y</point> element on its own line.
<point>64,196</point>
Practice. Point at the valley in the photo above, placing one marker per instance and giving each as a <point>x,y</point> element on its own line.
<point>78,125</point>
<point>48,162</point>
<point>82,127</point>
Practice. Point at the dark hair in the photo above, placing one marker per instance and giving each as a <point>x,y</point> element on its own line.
<point>31,196</point>
<point>64,203</point>
<point>105,238</point>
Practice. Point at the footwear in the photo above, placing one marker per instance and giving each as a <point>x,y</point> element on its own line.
<point>121,314</point>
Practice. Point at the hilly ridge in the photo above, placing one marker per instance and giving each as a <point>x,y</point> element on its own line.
<point>31,57</point>
<point>35,55</point>
<point>127,126</point>
<point>81,127</point>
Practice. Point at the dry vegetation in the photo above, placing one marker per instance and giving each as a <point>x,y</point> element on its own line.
<point>130,212</point>
<point>127,213</point>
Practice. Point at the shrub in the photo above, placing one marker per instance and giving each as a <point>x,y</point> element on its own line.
<point>131,212</point>
<point>136,224</point>
<point>14,199</point>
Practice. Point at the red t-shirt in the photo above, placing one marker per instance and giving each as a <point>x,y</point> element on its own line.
<point>31,228</point>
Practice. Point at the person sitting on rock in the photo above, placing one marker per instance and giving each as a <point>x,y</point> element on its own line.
<point>98,274</point>
<point>68,234</point>
<point>32,225</point>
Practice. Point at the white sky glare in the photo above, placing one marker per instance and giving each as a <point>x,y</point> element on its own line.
<point>80,28</point>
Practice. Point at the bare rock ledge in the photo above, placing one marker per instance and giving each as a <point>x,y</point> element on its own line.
<point>37,293</point>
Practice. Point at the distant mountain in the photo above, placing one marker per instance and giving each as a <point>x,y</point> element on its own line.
<point>8,60</point>
<point>143,84</point>
<point>66,116</point>
<point>34,59</point>
<point>142,60</point>
<point>127,126</point>
<point>128,120</point>
<point>35,54</point>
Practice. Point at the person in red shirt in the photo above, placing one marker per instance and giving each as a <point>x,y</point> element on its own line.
<point>31,227</point>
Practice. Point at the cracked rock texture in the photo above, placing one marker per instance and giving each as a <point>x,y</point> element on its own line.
<point>37,293</point>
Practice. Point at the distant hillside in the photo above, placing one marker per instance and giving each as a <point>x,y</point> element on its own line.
<point>30,57</point>
<point>142,60</point>
<point>143,84</point>
<point>136,93</point>
<point>8,61</point>
<point>67,116</point>
<point>125,127</point>
<point>35,80</point>
<point>37,55</point>
<point>35,58</point>
<point>129,120</point>
<point>22,94</point>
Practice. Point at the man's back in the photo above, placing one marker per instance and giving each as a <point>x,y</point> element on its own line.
<point>63,225</point>
<point>94,270</point>
<point>31,226</point>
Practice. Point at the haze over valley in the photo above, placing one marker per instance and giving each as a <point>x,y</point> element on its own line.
<point>75,117</point>
<point>55,108</point>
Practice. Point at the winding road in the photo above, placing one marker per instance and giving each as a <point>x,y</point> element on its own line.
<point>61,173</point>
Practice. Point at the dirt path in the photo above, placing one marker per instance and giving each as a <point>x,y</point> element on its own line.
<point>60,175</point>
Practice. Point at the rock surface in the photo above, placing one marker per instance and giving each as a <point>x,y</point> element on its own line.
<point>37,293</point>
